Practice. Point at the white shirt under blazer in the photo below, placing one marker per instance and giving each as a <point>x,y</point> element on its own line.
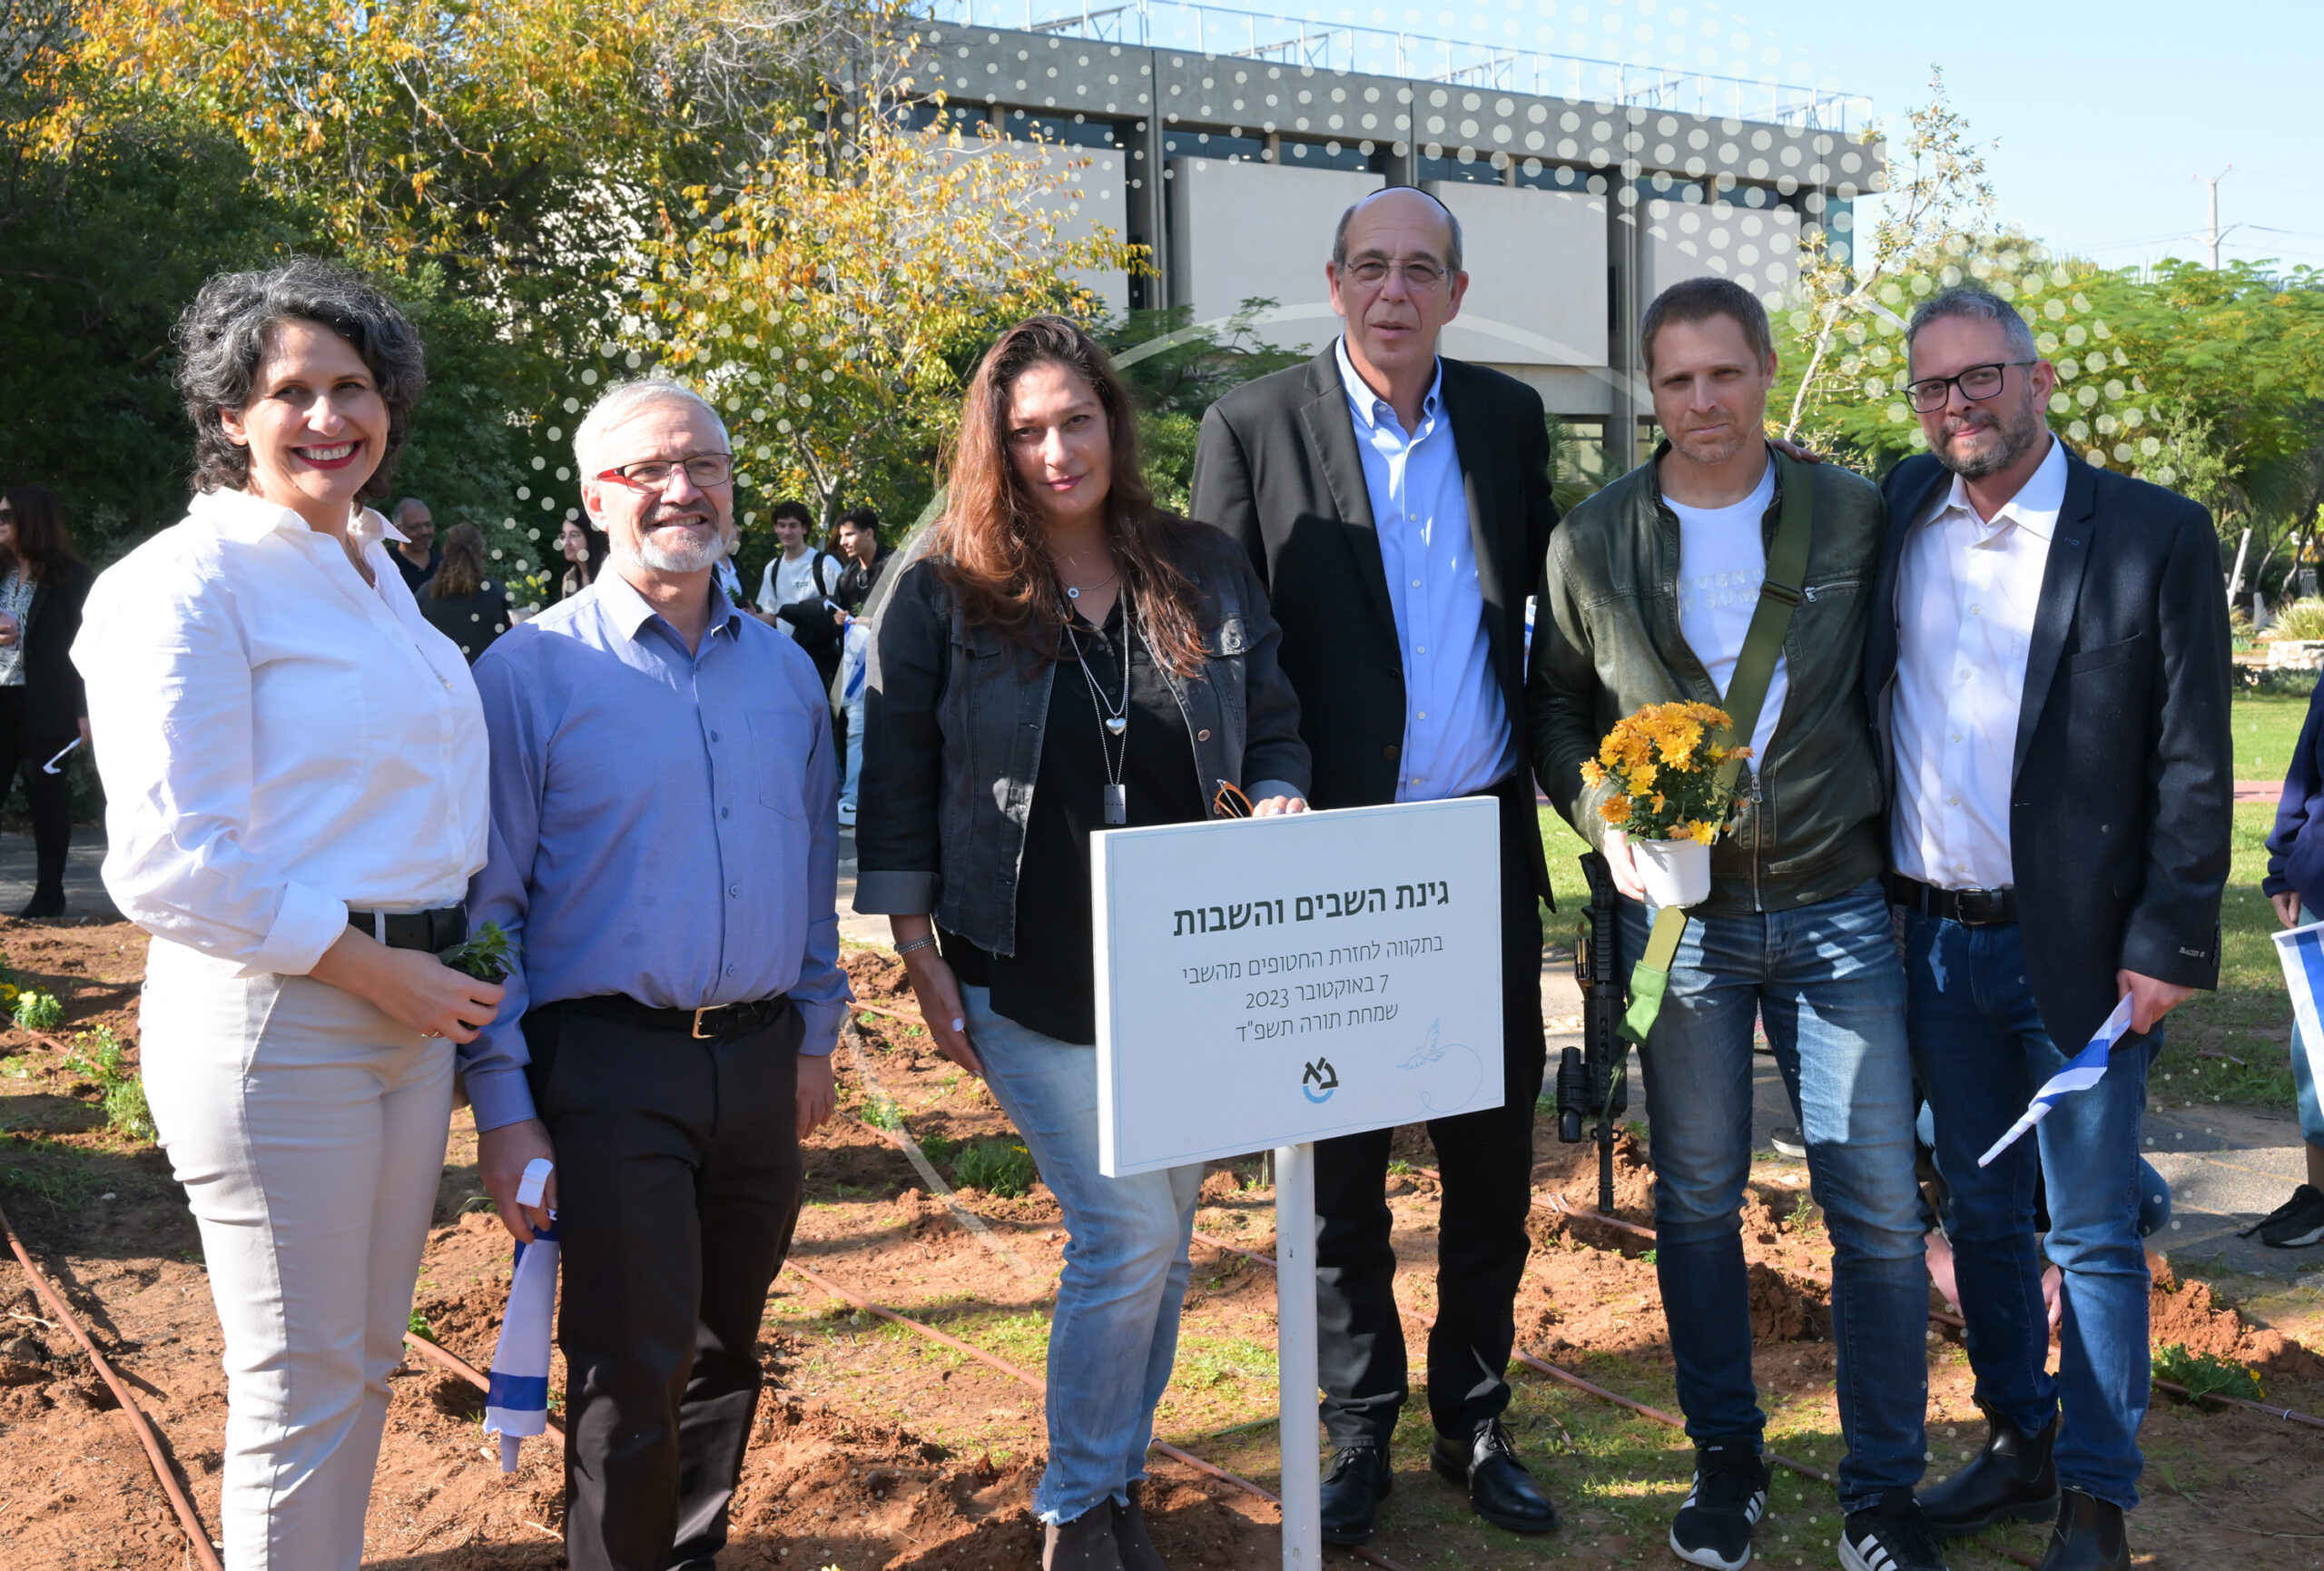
<point>1966,590</point>
<point>279,740</point>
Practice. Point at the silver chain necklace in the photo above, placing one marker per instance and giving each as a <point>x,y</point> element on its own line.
<point>1113,718</point>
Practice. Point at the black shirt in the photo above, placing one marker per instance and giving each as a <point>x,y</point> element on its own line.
<point>855,583</point>
<point>471,621</point>
<point>414,573</point>
<point>1050,985</point>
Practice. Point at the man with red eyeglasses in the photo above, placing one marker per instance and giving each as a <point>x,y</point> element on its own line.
<point>664,853</point>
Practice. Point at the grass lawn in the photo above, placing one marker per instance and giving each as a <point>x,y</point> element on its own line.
<point>2267,728</point>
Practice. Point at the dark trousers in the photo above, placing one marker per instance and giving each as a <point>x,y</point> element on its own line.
<point>49,797</point>
<point>1487,1161</point>
<point>678,1182</point>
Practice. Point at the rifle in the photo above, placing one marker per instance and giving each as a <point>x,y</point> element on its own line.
<point>1593,1081</point>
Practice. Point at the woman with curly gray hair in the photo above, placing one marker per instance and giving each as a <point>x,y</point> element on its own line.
<point>294,772</point>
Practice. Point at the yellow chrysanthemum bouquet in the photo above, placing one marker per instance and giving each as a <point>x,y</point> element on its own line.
<point>1663,764</point>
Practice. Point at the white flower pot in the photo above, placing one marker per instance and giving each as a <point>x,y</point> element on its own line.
<point>1676,872</point>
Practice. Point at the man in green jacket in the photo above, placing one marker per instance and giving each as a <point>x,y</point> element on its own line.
<point>1649,589</point>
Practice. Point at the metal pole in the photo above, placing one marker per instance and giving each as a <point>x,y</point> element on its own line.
<point>1294,1313</point>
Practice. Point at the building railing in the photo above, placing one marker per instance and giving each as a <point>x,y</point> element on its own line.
<point>1208,29</point>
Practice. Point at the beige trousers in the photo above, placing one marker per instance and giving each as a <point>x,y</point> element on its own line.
<point>308,1131</point>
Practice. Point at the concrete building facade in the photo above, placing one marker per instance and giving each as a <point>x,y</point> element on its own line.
<point>1231,170</point>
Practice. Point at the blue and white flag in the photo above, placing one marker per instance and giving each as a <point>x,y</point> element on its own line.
<point>517,1405</point>
<point>2082,1072</point>
<point>2302,950</point>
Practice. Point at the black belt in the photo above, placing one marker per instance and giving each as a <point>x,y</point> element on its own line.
<point>702,1024</point>
<point>1970,907</point>
<point>433,931</point>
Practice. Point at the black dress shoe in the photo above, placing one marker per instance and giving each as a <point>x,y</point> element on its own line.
<point>2013,1478</point>
<point>44,903</point>
<point>1359,1480</point>
<point>2090,1535</point>
<point>1499,1488</point>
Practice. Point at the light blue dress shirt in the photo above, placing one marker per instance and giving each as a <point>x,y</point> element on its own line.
<point>1457,740</point>
<point>665,825</point>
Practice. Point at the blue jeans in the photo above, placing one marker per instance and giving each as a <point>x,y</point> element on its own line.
<point>1826,979</point>
<point>1981,1053</point>
<point>2303,1091</point>
<point>853,709</point>
<point>1115,1333</point>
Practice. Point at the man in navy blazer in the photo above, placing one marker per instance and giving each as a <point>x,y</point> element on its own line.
<point>2048,670</point>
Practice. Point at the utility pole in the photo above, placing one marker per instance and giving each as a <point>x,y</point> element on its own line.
<point>2216,233</point>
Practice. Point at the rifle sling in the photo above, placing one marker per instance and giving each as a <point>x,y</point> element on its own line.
<point>1747,693</point>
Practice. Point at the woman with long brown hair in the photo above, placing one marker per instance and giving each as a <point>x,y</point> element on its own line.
<point>42,710</point>
<point>459,601</point>
<point>1065,656</point>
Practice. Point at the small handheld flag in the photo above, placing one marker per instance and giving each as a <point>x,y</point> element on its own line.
<point>2302,950</point>
<point>2082,1072</point>
<point>517,1405</point>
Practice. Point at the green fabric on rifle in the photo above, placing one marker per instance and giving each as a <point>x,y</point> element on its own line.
<point>1747,693</point>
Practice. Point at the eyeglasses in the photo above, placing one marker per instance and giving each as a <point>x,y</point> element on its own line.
<point>1419,275</point>
<point>1977,383</point>
<point>704,470</point>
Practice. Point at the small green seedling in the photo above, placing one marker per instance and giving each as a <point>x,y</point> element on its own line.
<point>486,956</point>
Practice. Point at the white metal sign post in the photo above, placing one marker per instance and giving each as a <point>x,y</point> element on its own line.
<point>1265,985</point>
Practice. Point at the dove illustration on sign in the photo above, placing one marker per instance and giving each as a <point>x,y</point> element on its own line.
<point>1450,1071</point>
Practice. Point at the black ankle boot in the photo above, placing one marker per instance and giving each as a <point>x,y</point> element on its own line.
<point>2090,1535</point>
<point>44,903</point>
<point>2012,1479</point>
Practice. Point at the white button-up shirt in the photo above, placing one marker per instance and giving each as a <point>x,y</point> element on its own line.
<point>1966,589</point>
<point>1457,739</point>
<point>279,740</point>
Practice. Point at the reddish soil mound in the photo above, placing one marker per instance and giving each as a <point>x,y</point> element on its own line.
<point>2189,1314</point>
<point>1788,1308</point>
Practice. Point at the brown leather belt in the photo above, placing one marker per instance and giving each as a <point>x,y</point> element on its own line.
<point>1970,907</point>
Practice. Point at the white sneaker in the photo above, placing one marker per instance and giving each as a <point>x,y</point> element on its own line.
<point>846,816</point>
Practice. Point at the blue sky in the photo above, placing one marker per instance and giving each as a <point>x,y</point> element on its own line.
<point>2104,114</point>
<point>2100,113</point>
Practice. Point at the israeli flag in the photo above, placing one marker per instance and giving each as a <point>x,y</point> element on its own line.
<point>2082,1070</point>
<point>855,650</point>
<point>2302,950</point>
<point>517,1405</point>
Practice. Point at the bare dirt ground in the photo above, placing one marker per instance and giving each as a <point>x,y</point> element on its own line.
<point>878,1449</point>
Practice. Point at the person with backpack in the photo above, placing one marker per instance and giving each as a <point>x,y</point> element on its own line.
<point>800,589</point>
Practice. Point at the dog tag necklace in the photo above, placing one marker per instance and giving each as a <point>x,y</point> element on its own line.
<point>1113,718</point>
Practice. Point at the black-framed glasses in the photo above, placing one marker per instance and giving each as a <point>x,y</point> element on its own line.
<point>1978,383</point>
<point>1371,272</point>
<point>704,470</point>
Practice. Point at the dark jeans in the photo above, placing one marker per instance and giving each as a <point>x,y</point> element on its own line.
<point>48,796</point>
<point>1487,1161</point>
<point>1825,978</point>
<point>677,1181</point>
<point>1981,1052</point>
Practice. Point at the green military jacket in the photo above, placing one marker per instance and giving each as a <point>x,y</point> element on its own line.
<point>1606,642</point>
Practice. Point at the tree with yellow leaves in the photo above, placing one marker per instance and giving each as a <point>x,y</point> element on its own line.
<point>833,303</point>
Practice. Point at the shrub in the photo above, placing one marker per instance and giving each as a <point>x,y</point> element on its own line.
<point>126,1111</point>
<point>38,1011</point>
<point>2206,1374</point>
<point>938,1147</point>
<point>2301,619</point>
<point>1001,1168</point>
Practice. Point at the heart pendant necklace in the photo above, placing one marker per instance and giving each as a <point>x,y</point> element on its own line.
<point>1113,716</point>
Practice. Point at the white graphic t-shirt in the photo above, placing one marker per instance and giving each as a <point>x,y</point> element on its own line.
<point>1722,562</point>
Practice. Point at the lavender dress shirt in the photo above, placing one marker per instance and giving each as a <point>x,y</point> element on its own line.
<point>664,823</point>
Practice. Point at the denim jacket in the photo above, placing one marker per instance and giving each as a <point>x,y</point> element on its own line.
<point>954,712</point>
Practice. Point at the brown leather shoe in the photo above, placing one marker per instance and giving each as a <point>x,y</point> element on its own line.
<point>1130,1539</point>
<point>1085,1543</point>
